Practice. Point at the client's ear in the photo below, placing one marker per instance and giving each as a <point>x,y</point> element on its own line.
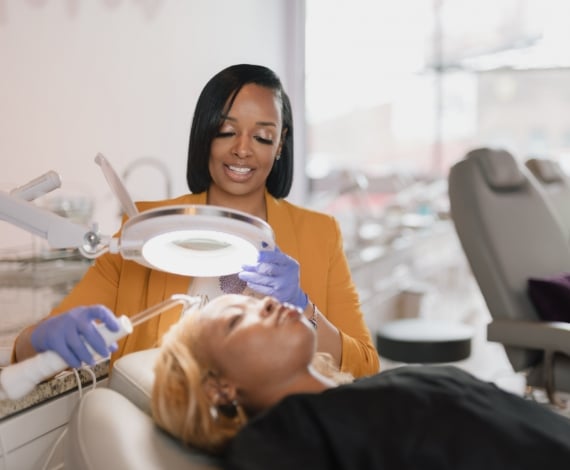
<point>219,390</point>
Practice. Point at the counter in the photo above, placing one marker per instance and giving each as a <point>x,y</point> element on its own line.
<point>60,384</point>
<point>32,429</point>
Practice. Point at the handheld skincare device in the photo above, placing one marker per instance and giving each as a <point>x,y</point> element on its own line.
<point>16,380</point>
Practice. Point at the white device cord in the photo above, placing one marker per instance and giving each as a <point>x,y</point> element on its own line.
<point>80,391</point>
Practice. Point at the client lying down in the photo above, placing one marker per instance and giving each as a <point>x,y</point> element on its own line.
<point>241,378</point>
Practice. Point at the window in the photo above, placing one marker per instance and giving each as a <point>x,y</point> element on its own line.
<point>408,87</point>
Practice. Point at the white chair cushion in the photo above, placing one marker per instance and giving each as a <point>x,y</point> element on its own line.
<point>107,431</point>
<point>133,377</point>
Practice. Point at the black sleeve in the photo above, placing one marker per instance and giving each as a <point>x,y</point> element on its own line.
<point>286,438</point>
<point>428,417</point>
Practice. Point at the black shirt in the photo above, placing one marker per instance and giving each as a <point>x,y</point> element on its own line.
<point>412,417</point>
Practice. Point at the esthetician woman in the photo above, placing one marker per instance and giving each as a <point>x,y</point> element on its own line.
<point>240,156</point>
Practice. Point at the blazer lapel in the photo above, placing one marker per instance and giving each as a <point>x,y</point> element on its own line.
<point>279,217</point>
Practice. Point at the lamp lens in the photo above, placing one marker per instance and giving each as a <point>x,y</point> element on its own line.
<point>200,253</point>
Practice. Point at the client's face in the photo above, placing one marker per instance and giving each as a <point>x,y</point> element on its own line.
<point>254,340</point>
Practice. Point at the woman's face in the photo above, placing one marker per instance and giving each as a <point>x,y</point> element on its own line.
<point>252,341</point>
<point>243,153</point>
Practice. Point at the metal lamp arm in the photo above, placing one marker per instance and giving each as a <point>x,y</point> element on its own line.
<point>57,230</point>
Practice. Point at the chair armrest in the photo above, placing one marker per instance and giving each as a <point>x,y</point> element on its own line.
<point>541,335</point>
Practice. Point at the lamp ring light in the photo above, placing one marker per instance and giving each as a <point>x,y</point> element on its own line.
<point>193,240</point>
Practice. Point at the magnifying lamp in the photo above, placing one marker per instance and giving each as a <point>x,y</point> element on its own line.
<point>193,240</point>
<point>190,240</point>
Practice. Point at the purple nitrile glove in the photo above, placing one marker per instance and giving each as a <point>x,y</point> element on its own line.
<point>67,334</point>
<point>276,275</point>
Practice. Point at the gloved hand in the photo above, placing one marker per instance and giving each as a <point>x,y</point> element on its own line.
<point>66,334</point>
<point>276,275</point>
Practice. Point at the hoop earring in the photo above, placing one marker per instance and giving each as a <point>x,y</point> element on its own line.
<point>231,411</point>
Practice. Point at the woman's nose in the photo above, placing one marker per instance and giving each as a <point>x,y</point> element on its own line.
<point>268,306</point>
<point>242,147</point>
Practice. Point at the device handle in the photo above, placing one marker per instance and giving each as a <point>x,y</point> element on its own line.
<point>16,380</point>
<point>117,185</point>
<point>38,186</point>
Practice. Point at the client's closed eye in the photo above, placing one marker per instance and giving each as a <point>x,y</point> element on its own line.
<point>234,321</point>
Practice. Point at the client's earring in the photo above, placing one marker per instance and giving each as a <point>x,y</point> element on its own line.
<point>232,411</point>
<point>240,413</point>
<point>277,157</point>
<point>229,410</point>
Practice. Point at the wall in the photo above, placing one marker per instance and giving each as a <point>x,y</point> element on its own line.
<point>122,77</point>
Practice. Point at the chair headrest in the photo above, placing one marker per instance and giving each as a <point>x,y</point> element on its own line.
<point>106,430</point>
<point>500,169</point>
<point>545,170</point>
<point>133,377</point>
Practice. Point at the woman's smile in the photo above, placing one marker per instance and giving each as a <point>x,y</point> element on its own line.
<point>238,173</point>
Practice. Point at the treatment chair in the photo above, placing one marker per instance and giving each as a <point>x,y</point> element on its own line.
<point>133,376</point>
<point>509,233</point>
<point>113,428</point>
<point>107,431</point>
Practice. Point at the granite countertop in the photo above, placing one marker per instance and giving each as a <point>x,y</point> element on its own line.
<point>62,383</point>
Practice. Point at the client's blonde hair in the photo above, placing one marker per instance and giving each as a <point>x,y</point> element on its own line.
<point>180,404</point>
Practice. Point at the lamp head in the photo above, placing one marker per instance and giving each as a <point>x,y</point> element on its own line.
<point>194,240</point>
<point>189,240</point>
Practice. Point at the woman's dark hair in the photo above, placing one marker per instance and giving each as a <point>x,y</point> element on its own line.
<point>216,99</point>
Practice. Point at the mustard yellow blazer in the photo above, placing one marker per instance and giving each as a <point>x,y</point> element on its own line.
<point>313,239</point>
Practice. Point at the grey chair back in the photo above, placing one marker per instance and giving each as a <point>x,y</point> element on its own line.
<point>509,232</point>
